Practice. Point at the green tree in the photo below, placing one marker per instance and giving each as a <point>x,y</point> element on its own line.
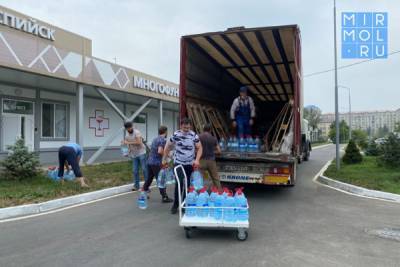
<point>313,115</point>
<point>397,127</point>
<point>343,132</point>
<point>372,149</point>
<point>360,137</point>
<point>352,154</point>
<point>20,163</point>
<point>391,151</point>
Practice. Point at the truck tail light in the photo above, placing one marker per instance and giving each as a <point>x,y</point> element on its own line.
<point>278,170</point>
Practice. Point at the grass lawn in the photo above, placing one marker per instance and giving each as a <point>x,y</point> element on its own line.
<point>367,174</point>
<point>40,189</point>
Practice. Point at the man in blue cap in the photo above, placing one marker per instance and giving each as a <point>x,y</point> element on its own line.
<point>243,113</point>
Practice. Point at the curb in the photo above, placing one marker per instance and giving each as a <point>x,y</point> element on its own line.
<point>321,146</point>
<point>31,209</point>
<point>357,190</point>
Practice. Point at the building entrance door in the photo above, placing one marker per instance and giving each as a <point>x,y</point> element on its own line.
<point>17,122</point>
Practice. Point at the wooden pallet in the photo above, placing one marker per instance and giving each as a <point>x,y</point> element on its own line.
<point>202,115</point>
<point>280,126</point>
<point>216,123</point>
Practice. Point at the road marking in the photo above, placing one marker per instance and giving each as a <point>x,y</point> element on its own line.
<point>323,169</point>
<point>66,208</point>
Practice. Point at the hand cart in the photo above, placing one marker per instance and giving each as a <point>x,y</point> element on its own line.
<point>190,223</point>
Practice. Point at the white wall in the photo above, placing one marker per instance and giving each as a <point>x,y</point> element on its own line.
<point>115,123</point>
<point>90,105</point>
<point>169,121</point>
<point>17,91</point>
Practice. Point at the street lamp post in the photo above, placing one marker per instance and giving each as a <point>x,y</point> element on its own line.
<point>350,115</point>
<point>336,91</point>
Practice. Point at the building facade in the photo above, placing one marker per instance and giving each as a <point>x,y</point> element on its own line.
<point>54,91</point>
<point>369,121</point>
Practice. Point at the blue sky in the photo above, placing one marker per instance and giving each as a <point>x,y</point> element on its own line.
<point>144,35</point>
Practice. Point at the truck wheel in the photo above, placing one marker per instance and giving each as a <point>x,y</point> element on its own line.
<point>241,235</point>
<point>188,232</point>
<point>307,155</point>
<point>300,159</point>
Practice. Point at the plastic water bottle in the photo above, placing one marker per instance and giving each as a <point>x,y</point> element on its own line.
<point>229,144</point>
<point>257,143</point>
<point>191,201</point>
<point>225,192</point>
<point>202,203</point>
<point>229,211</point>
<point>248,143</point>
<point>197,180</point>
<point>162,178</point>
<point>242,144</point>
<point>211,201</point>
<point>170,177</point>
<point>235,145</point>
<point>242,212</point>
<point>142,200</point>
<point>222,144</point>
<point>52,173</point>
<point>124,150</point>
<point>255,149</point>
<point>219,202</point>
<point>69,175</point>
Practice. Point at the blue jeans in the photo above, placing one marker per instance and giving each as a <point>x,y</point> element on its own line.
<point>243,126</point>
<point>139,161</point>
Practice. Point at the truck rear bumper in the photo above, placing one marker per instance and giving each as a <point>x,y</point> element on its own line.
<point>252,178</point>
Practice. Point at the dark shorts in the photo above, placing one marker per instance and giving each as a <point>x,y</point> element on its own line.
<point>66,153</point>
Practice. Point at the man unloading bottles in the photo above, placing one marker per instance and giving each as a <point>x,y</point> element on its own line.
<point>243,113</point>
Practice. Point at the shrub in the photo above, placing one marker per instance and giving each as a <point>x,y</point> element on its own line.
<point>372,149</point>
<point>352,154</point>
<point>360,137</point>
<point>391,151</point>
<point>20,163</point>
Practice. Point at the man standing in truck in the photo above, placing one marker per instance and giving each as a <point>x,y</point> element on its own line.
<point>243,113</point>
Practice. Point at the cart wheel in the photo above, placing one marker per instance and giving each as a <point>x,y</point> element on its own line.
<point>188,232</point>
<point>241,235</point>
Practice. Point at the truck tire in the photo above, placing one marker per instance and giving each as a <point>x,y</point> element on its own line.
<point>300,159</point>
<point>306,155</point>
<point>307,152</point>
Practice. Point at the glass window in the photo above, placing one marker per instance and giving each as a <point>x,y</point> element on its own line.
<point>60,120</point>
<point>17,106</point>
<point>47,120</point>
<point>54,120</point>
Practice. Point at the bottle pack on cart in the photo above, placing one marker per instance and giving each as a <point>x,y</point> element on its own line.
<point>196,180</point>
<point>219,205</point>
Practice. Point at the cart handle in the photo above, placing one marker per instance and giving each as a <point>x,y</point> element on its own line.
<point>179,186</point>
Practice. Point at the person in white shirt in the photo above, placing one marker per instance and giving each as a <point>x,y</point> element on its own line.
<point>137,152</point>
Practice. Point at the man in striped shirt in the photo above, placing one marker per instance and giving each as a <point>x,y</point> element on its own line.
<point>186,143</point>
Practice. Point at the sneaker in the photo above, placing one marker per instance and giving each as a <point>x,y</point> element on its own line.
<point>166,199</point>
<point>174,210</point>
<point>134,189</point>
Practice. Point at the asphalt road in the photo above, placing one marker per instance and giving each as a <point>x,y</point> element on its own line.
<point>307,225</point>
